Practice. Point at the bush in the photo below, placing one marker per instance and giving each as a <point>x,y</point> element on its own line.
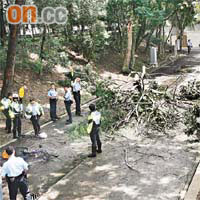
<point>78,130</point>
<point>63,83</point>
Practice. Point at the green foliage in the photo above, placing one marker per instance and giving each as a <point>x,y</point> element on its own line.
<point>64,83</point>
<point>105,93</point>
<point>2,58</point>
<point>38,67</point>
<point>192,121</point>
<point>79,130</point>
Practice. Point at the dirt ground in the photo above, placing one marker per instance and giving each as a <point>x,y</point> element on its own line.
<point>153,167</point>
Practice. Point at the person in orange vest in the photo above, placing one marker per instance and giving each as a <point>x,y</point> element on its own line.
<point>22,93</point>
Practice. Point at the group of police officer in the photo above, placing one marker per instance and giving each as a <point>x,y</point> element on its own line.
<point>12,107</point>
<point>15,169</point>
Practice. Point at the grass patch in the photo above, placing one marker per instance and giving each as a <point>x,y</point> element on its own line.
<point>78,130</point>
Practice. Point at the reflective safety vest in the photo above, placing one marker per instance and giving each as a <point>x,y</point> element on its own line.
<point>5,103</point>
<point>15,109</point>
<point>93,118</point>
<point>21,92</point>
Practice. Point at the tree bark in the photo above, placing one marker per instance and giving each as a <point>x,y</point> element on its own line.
<point>2,25</point>
<point>127,60</point>
<point>133,49</point>
<point>43,42</point>
<point>181,39</point>
<point>11,57</point>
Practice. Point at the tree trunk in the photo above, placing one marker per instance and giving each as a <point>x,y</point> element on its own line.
<point>168,36</point>
<point>159,36</point>
<point>133,50</point>
<point>127,60</point>
<point>43,42</point>
<point>11,57</point>
<point>163,41</point>
<point>2,25</point>
<point>148,40</point>
<point>181,39</point>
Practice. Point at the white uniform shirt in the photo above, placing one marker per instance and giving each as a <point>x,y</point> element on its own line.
<point>189,43</point>
<point>68,95</point>
<point>96,116</point>
<point>34,109</point>
<point>76,86</point>
<point>52,93</point>
<point>14,167</point>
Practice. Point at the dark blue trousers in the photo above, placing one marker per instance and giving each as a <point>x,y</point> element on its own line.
<point>53,108</point>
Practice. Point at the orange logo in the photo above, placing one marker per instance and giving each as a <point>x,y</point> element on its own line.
<point>28,14</point>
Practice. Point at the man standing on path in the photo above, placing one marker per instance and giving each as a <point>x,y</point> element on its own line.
<point>15,170</point>
<point>52,94</point>
<point>6,102</point>
<point>68,102</point>
<point>189,45</point>
<point>77,96</point>
<point>33,112</point>
<point>94,121</point>
<point>16,110</point>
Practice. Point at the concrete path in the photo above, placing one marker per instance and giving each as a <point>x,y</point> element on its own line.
<point>134,168</point>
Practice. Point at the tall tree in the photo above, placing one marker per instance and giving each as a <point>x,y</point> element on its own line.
<point>185,16</point>
<point>11,57</point>
<point>2,24</point>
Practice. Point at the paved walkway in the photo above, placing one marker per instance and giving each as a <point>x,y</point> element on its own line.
<point>158,170</point>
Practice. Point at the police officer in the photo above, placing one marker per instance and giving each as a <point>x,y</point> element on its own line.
<point>52,94</point>
<point>77,96</point>
<point>33,112</point>
<point>6,101</point>
<point>16,108</point>
<point>68,102</point>
<point>15,170</point>
<point>94,121</point>
<point>189,46</point>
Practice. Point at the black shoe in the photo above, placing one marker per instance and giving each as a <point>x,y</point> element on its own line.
<point>68,122</point>
<point>99,148</point>
<point>9,132</point>
<point>22,136</point>
<point>15,137</point>
<point>79,114</point>
<point>6,129</point>
<point>57,117</point>
<point>91,155</point>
